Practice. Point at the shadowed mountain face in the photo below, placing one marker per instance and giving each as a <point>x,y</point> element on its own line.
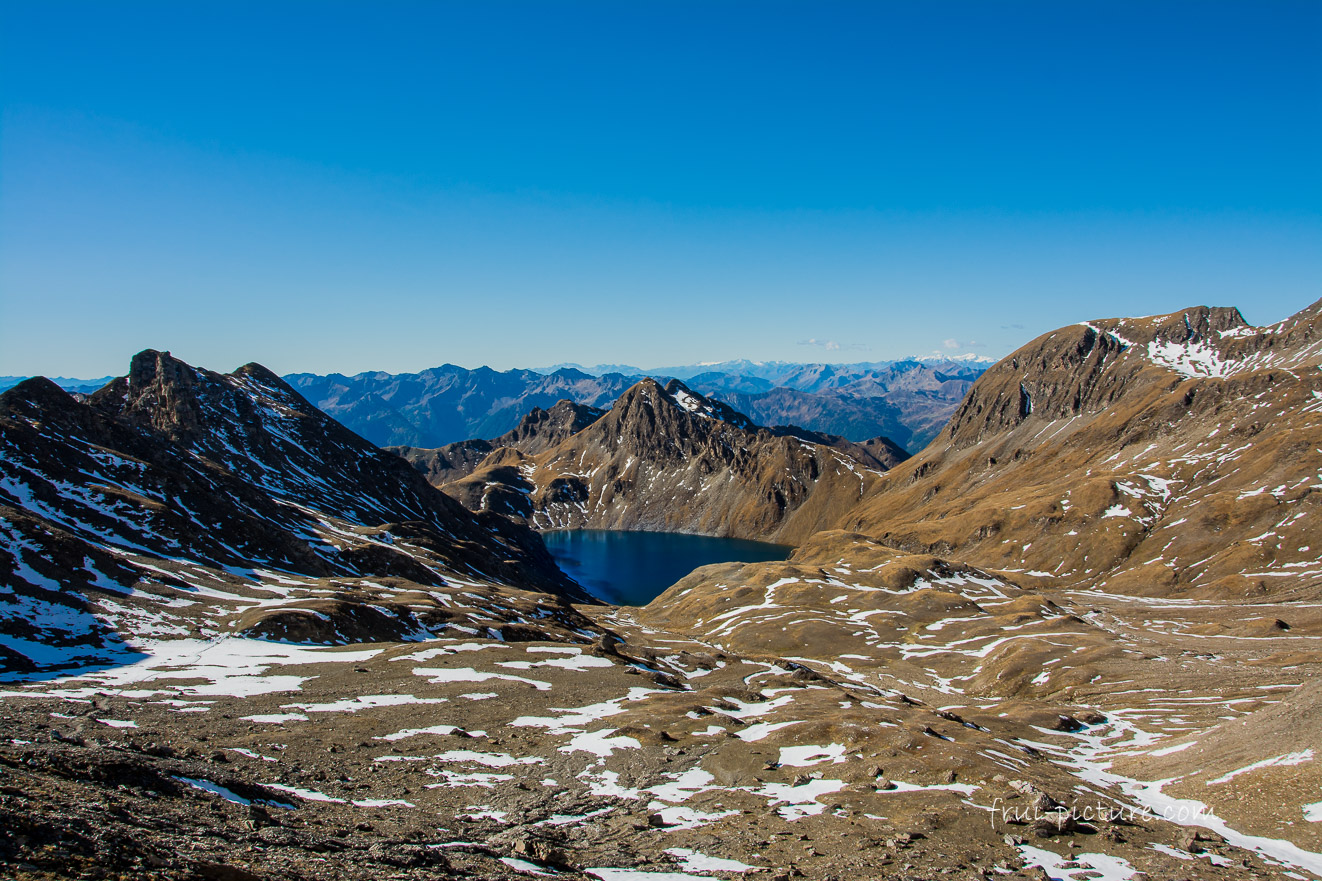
<point>668,459</point>
<point>172,476</point>
<point>907,401</point>
<point>541,429</point>
<point>538,431</point>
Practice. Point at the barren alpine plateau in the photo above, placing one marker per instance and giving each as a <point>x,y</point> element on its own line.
<point>1059,617</point>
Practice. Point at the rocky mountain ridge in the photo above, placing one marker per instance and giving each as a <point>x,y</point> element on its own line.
<point>173,480</point>
<point>1173,454</point>
<point>536,432</point>
<point>665,458</point>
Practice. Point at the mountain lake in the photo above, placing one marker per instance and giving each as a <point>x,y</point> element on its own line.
<point>629,568</point>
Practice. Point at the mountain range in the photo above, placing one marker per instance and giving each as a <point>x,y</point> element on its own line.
<point>775,373</point>
<point>69,384</point>
<point>1077,635</point>
<point>906,401</point>
<point>664,459</point>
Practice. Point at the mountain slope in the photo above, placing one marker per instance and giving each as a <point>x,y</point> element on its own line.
<point>174,481</point>
<point>1172,454</point>
<point>855,711</point>
<point>1114,548</point>
<point>668,459</point>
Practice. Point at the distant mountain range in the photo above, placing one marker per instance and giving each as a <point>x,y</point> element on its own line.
<point>81,386</point>
<point>782,373</point>
<point>907,401</point>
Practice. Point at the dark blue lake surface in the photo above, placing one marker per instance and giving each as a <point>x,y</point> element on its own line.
<point>633,568</point>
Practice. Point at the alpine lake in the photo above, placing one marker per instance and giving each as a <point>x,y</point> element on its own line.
<point>628,568</point>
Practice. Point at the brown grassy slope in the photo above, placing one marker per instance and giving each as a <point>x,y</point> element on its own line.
<point>1163,455</point>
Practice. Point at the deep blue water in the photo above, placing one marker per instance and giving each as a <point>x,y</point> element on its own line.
<point>633,568</point>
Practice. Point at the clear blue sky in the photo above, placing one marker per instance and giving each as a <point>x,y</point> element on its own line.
<point>390,185</point>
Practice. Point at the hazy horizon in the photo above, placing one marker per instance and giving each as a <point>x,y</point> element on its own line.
<point>593,369</point>
<point>596,369</point>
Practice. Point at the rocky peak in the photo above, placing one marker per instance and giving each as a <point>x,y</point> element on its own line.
<point>699,405</point>
<point>266,377</point>
<point>668,423</point>
<point>277,449</point>
<point>249,421</point>
<point>680,401</point>
<point>542,429</point>
<point>100,507</point>
<point>1085,368</point>
<point>665,458</point>
<point>1059,374</point>
<point>35,395</point>
<point>159,392</point>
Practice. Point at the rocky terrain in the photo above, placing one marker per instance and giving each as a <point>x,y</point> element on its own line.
<point>907,401</point>
<point>662,459</point>
<point>1147,486</point>
<point>244,644</point>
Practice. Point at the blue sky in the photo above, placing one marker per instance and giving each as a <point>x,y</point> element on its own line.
<point>352,186</point>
